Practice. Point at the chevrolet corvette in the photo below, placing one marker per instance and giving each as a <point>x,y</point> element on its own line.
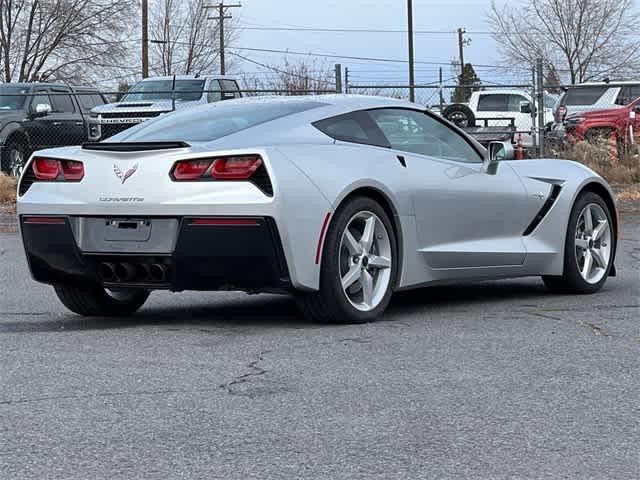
<point>339,200</point>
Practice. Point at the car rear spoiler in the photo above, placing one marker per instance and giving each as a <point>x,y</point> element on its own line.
<point>133,146</point>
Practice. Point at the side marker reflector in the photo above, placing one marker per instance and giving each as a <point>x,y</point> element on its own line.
<point>323,232</point>
<point>44,220</point>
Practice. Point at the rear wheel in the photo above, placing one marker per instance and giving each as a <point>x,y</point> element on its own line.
<point>358,266</point>
<point>96,301</point>
<point>589,248</point>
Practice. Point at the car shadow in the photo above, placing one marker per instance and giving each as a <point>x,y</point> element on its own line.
<point>257,313</point>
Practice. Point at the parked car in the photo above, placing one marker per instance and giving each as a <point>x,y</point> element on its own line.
<point>589,97</point>
<point>619,126</point>
<point>338,200</point>
<point>34,116</point>
<point>499,108</point>
<point>153,96</point>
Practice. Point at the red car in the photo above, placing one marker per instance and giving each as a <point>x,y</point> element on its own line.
<point>620,126</point>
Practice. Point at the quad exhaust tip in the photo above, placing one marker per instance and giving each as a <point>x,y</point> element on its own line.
<point>125,272</point>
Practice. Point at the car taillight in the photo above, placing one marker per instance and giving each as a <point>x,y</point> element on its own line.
<point>50,169</point>
<point>561,113</point>
<point>46,169</point>
<point>220,168</point>
<point>190,169</point>
<point>235,168</point>
<point>72,171</point>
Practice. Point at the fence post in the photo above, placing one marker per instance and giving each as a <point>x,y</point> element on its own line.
<point>540,75</point>
<point>338,78</point>
<point>346,79</point>
<point>534,120</point>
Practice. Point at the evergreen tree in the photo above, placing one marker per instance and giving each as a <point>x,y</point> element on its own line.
<point>468,83</point>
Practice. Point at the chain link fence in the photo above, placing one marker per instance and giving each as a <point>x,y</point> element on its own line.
<point>38,116</point>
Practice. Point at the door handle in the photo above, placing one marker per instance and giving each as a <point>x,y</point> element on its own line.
<point>57,124</point>
<point>79,124</point>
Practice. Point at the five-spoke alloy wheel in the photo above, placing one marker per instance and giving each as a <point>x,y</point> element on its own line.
<point>358,268</point>
<point>589,247</point>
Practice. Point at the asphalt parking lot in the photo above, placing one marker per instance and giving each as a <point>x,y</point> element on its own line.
<point>495,380</point>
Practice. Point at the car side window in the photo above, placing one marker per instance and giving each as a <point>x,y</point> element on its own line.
<point>494,102</point>
<point>416,132</point>
<point>356,127</point>
<point>514,102</point>
<point>628,94</point>
<point>214,91</point>
<point>230,88</point>
<point>62,103</point>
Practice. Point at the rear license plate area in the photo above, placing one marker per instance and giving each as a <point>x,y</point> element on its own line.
<point>127,230</point>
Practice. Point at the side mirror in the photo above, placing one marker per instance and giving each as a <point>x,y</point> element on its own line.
<point>42,110</point>
<point>525,107</point>
<point>636,109</point>
<point>500,151</point>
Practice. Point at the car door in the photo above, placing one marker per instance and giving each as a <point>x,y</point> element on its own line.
<point>67,118</point>
<point>467,217</point>
<point>39,127</point>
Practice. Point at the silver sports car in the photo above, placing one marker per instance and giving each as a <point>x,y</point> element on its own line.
<point>340,200</point>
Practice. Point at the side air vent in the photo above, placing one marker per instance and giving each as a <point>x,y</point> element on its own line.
<point>551,200</point>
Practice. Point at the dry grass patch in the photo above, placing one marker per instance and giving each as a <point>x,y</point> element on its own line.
<point>8,186</point>
<point>630,194</point>
<point>599,157</point>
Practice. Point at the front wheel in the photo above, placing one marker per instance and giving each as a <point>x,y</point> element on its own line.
<point>589,248</point>
<point>13,158</point>
<point>358,266</point>
<point>96,301</point>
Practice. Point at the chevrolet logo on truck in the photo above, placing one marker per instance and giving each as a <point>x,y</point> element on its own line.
<point>122,120</point>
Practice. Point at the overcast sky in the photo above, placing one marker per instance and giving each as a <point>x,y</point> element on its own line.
<point>439,15</point>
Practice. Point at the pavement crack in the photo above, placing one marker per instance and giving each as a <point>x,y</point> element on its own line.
<point>595,329</point>
<point>255,370</point>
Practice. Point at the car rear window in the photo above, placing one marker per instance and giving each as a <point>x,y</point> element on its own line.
<point>212,121</point>
<point>583,95</point>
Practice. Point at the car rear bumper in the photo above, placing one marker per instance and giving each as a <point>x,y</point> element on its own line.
<point>207,253</point>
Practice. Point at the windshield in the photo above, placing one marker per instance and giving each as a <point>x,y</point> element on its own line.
<point>12,98</point>
<point>186,90</point>
<point>210,122</point>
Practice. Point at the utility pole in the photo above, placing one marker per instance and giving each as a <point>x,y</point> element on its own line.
<point>412,90</point>
<point>441,95</point>
<point>461,43</point>
<point>221,18</point>
<point>540,111</point>
<point>145,39</point>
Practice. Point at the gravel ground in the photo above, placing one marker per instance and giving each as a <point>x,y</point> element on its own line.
<point>487,381</point>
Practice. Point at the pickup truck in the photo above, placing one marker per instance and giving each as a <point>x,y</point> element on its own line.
<point>499,109</point>
<point>155,96</point>
<point>34,116</point>
<point>620,126</point>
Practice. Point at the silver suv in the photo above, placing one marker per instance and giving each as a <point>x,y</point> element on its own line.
<point>157,95</point>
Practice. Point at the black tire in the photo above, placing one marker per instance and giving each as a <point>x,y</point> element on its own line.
<point>460,115</point>
<point>330,303</point>
<point>14,157</point>
<point>95,301</point>
<point>571,281</point>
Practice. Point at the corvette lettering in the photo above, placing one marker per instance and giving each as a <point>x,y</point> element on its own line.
<point>122,199</point>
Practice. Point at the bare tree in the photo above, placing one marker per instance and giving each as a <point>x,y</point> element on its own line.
<point>294,77</point>
<point>185,41</point>
<point>61,39</point>
<point>579,39</point>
